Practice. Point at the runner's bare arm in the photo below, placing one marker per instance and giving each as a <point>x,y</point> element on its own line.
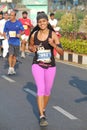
<point>31,46</point>
<point>4,34</point>
<point>19,35</point>
<point>54,42</point>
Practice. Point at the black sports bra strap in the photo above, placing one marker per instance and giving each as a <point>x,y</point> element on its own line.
<point>50,34</point>
<point>35,36</point>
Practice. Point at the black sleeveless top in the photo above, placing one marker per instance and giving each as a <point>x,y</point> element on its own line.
<point>44,45</point>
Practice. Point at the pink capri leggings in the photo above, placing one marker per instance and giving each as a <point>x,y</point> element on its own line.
<point>44,79</point>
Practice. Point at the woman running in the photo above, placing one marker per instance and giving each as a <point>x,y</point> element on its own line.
<point>43,40</point>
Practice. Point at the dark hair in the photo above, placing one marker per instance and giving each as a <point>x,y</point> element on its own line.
<point>51,14</point>
<point>6,12</point>
<point>15,13</point>
<point>40,12</point>
<point>24,12</point>
<point>36,28</point>
<point>41,15</point>
<point>1,13</point>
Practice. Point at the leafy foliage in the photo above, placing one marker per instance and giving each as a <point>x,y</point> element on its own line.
<point>77,46</point>
<point>68,22</point>
<point>59,14</point>
<point>83,26</point>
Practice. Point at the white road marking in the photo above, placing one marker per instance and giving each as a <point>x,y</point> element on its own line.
<point>67,114</point>
<point>30,91</point>
<point>8,79</point>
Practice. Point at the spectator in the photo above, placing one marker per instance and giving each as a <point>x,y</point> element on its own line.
<point>53,21</point>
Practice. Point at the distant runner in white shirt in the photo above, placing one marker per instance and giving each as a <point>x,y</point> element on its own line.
<point>53,21</point>
<point>1,31</point>
<point>5,41</point>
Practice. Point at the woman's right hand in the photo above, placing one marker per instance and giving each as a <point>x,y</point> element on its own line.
<point>33,48</point>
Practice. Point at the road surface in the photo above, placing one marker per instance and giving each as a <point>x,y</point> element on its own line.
<point>67,108</point>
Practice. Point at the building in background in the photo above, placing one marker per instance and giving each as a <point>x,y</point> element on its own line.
<point>4,5</point>
<point>35,6</point>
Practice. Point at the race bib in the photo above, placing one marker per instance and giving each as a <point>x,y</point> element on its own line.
<point>25,26</point>
<point>12,33</point>
<point>44,56</point>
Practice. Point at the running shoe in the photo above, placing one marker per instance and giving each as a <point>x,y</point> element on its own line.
<point>43,121</point>
<point>11,71</point>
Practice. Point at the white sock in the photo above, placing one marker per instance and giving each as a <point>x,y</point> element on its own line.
<point>41,116</point>
<point>11,68</point>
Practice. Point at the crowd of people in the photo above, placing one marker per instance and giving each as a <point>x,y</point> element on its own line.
<point>14,34</point>
<point>42,40</point>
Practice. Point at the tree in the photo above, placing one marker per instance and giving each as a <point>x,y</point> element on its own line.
<point>68,22</point>
<point>83,27</point>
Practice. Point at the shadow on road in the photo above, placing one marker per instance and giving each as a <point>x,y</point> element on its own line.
<point>31,98</point>
<point>81,85</point>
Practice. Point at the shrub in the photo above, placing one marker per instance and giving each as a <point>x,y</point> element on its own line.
<point>80,14</point>
<point>68,22</point>
<point>59,14</point>
<point>77,46</point>
<point>83,26</point>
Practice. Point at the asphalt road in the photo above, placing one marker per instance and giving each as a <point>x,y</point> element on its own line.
<point>67,108</point>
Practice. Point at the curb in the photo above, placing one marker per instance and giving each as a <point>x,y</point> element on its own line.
<point>73,57</point>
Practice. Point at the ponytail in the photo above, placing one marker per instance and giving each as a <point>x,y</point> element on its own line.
<point>36,28</point>
<point>50,27</point>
